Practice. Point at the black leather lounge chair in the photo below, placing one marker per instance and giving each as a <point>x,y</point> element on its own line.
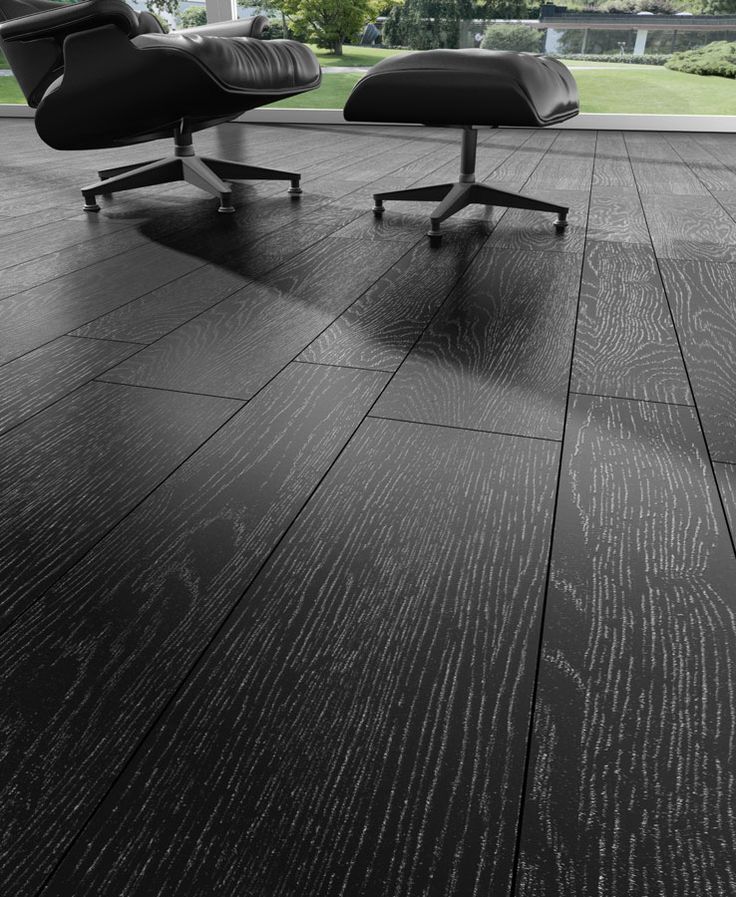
<point>101,75</point>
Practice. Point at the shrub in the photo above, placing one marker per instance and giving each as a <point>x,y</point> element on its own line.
<point>520,38</point>
<point>649,59</point>
<point>718,58</point>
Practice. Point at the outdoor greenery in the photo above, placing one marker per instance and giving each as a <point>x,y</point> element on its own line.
<point>718,58</point>
<point>10,92</point>
<point>653,90</point>
<point>626,59</point>
<point>363,57</point>
<point>520,38</point>
<point>426,24</point>
<point>330,23</point>
<point>193,17</point>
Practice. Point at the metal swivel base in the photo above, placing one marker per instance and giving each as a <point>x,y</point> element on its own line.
<point>210,174</point>
<point>454,197</point>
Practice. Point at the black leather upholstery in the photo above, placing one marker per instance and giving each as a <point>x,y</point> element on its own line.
<point>241,64</point>
<point>99,77</point>
<point>465,87</point>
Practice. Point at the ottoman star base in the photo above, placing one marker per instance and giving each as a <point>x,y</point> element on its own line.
<point>466,89</point>
<point>454,197</point>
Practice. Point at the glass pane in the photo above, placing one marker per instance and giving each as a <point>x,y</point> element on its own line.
<point>623,62</point>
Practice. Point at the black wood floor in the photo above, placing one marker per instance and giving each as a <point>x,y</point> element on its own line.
<point>334,565</point>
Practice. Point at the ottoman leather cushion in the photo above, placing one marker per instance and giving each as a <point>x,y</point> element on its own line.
<point>465,87</point>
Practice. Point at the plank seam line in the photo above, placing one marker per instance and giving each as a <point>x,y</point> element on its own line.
<point>543,609</point>
<point>342,367</point>
<point>184,392</point>
<point>695,407</point>
<point>602,395</point>
<point>11,624</point>
<point>168,702</point>
<point>428,423</point>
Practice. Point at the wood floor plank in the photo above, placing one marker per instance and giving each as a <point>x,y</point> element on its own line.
<point>234,348</point>
<point>567,166</point>
<point>532,230</point>
<point>43,313</point>
<point>631,787</point>
<point>726,476</point>
<point>157,313</point>
<point>73,471</point>
<point>657,169</point>
<point>88,669</point>
<point>625,343</point>
<point>379,329</point>
<point>612,167</point>
<point>690,227</point>
<point>30,383</point>
<point>46,267</point>
<point>360,726</point>
<point>616,216</point>
<point>53,236</point>
<point>701,296</point>
<point>709,170</point>
<point>497,356</point>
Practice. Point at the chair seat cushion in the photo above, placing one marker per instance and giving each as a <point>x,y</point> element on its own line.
<point>243,64</point>
<point>465,87</point>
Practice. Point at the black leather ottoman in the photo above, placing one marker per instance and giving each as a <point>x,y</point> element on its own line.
<point>466,88</point>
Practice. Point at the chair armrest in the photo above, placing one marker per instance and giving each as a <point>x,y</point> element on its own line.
<point>58,23</point>
<point>253,27</point>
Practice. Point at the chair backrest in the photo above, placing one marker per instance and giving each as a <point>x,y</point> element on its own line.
<point>32,34</point>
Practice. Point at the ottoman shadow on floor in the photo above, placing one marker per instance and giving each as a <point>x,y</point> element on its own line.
<point>466,89</point>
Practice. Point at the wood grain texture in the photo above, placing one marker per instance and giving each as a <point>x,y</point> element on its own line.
<point>616,216</point>
<point>234,348</point>
<point>37,316</point>
<point>45,267</point>
<point>568,165</point>
<point>533,230</point>
<point>657,169</point>
<point>726,476</point>
<point>701,296</point>
<point>612,167</point>
<point>690,227</point>
<point>104,650</point>
<point>18,247</point>
<point>30,383</point>
<point>379,329</point>
<point>497,356</point>
<point>74,470</point>
<point>625,343</point>
<point>709,170</point>
<point>360,726</point>
<point>631,788</point>
<point>153,315</point>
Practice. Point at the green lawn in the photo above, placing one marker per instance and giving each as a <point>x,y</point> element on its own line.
<point>654,89</point>
<point>357,56</point>
<point>9,91</point>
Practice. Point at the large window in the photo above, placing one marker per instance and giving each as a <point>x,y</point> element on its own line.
<point>642,57</point>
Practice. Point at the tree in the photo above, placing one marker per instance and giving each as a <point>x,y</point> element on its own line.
<point>194,17</point>
<point>163,6</point>
<point>331,23</point>
<point>426,24</point>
